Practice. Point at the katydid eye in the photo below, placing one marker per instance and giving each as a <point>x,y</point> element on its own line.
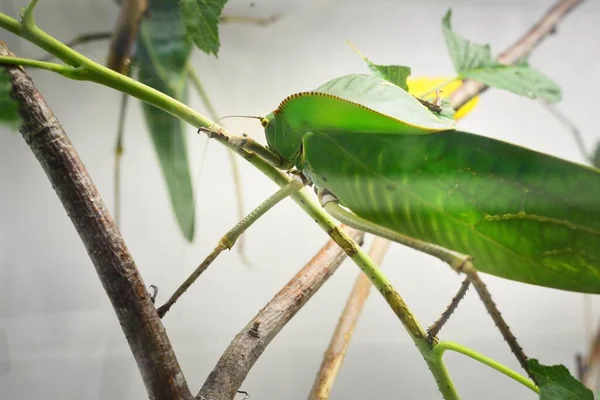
<point>264,122</point>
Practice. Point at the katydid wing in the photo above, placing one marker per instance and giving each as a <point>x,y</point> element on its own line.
<point>521,214</point>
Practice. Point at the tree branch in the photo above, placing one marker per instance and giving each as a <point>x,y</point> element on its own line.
<point>529,41</point>
<point>235,363</point>
<point>340,341</point>
<point>114,264</point>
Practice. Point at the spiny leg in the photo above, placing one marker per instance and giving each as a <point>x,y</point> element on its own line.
<point>228,240</point>
<point>434,329</point>
<point>457,262</point>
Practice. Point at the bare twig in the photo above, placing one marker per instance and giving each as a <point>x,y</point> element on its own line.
<point>434,329</point>
<point>520,49</point>
<point>249,344</point>
<point>119,150</point>
<point>340,341</point>
<point>105,245</point>
<point>245,19</point>
<point>125,34</point>
<point>590,365</point>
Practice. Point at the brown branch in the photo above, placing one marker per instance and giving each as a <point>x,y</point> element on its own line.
<point>125,34</point>
<point>114,264</point>
<point>340,341</point>
<point>235,363</point>
<point>520,49</point>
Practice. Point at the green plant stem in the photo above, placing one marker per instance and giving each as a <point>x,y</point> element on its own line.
<point>64,70</point>
<point>441,347</point>
<point>105,76</point>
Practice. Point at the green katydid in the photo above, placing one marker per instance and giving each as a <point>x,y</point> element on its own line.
<point>520,214</point>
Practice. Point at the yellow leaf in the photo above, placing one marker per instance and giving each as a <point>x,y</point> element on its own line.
<point>418,86</point>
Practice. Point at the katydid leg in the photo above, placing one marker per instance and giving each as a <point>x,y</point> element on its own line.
<point>458,262</point>
<point>229,239</point>
<point>434,329</point>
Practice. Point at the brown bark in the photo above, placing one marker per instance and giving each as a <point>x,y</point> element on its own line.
<point>106,247</point>
<point>521,48</point>
<point>235,363</point>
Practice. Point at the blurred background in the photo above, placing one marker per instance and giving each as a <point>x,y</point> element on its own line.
<point>59,337</point>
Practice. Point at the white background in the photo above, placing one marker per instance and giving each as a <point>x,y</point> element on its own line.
<point>59,337</point>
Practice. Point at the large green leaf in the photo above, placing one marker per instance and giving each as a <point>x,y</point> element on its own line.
<point>556,383</point>
<point>202,22</point>
<point>9,106</point>
<point>162,54</point>
<point>475,61</point>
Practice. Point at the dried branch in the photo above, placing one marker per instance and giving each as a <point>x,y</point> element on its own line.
<point>125,34</point>
<point>520,49</point>
<point>340,341</point>
<point>105,245</point>
<point>235,363</point>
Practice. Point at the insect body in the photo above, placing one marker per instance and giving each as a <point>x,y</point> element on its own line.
<point>520,214</point>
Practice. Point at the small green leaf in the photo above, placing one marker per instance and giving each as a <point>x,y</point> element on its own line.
<point>556,383</point>
<point>9,106</point>
<point>475,61</point>
<point>521,79</point>
<point>201,19</point>
<point>162,54</point>
<point>396,74</point>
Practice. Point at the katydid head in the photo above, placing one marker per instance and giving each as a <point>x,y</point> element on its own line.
<point>281,137</point>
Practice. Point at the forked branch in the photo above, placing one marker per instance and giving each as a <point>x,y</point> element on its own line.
<point>235,363</point>
<point>106,247</point>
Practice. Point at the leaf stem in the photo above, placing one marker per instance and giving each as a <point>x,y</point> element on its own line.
<point>441,347</point>
<point>27,16</point>
<point>64,70</point>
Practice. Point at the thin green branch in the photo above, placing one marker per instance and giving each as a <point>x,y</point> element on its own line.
<point>441,347</point>
<point>64,70</point>
<point>82,39</point>
<point>27,15</point>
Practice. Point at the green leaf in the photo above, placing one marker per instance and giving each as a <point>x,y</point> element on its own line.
<point>162,54</point>
<point>396,74</point>
<point>475,61</point>
<point>556,383</point>
<point>9,106</point>
<point>201,19</point>
<point>522,80</point>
